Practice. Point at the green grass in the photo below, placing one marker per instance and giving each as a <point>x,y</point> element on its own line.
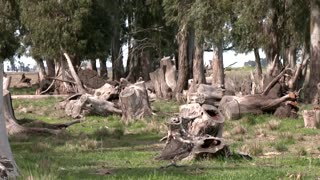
<point>106,148</point>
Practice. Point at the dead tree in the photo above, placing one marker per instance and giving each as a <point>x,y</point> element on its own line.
<point>233,107</point>
<point>134,102</point>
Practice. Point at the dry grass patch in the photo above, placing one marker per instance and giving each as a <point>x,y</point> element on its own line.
<point>238,130</point>
<point>274,125</point>
<point>261,132</point>
<point>254,149</point>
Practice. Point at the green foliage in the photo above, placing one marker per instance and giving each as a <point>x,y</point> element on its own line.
<point>72,26</point>
<point>9,23</point>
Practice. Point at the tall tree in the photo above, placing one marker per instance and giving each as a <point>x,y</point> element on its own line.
<point>177,12</point>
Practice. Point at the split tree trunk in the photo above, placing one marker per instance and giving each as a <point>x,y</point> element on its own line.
<point>51,67</point>
<point>5,150</point>
<point>135,102</point>
<point>314,52</point>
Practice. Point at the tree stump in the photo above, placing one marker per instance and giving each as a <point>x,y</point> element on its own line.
<point>311,118</point>
<point>164,79</point>
<point>135,102</point>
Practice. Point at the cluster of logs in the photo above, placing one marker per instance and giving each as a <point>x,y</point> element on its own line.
<point>126,99</point>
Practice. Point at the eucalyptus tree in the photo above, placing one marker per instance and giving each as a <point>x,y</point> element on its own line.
<point>147,36</point>
<point>212,22</point>
<point>178,12</point>
<point>9,23</point>
<point>76,29</point>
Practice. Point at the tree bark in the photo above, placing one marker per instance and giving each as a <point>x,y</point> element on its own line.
<point>92,65</point>
<point>182,81</point>
<point>314,52</point>
<point>41,69</point>
<point>217,65</point>
<point>116,52</point>
<point>198,67</point>
<point>5,150</point>
<point>103,68</point>
<point>51,67</point>
<point>258,63</point>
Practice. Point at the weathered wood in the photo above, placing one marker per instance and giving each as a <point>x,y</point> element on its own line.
<point>163,91</point>
<point>233,107</point>
<point>74,74</point>
<point>288,109</point>
<point>87,104</point>
<point>205,94</point>
<point>107,92</point>
<point>135,102</point>
<point>170,73</point>
<point>311,118</point>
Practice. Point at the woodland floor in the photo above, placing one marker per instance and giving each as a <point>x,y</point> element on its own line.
<point>105,148</point>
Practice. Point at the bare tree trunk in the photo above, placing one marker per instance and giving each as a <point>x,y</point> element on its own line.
<point>183,62</point>
<point>258,63</point>
<point>5,150</point>
<point>191,46</point>
<point>292,57</point>
<point>51,67</point>
<point>103,68</point>
<point>92,65</point>
<point>198,67</point>
<point>41,69</point>
<point>314,52</point>
<point>116,52</point>
<point>146,65</point>
<point>217,65</point>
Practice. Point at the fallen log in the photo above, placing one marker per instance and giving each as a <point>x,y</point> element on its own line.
<point>38,96</point>
<point>134,102</point>
<point>233,107</point>
<point>87,104</point>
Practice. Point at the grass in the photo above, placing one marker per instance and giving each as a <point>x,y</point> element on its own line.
<point>106,148</point>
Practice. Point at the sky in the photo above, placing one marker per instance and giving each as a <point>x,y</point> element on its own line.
<point>229,57</point>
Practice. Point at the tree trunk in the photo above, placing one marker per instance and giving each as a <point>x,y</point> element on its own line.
<point>198,67</point>
<point>74,74</point>
<point>103,68</point>
<point>217,66</point>
<point>258,63</point>
<point>182,81</point>
<point>61,69</point>
<point>135,102</point>
<point>314,52</point>
<point>146,64</point>
<point>5,150</point>
<point>116,52</point>
<point>51,67</point>
<point>41,69</point>
<point>191,49</point>
<point>92,65</point>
